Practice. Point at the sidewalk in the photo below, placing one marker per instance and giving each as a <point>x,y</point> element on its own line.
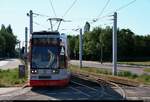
<point>6,90</point>
<point>9,64</point>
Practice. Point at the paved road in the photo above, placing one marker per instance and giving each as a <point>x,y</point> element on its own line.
<point>132,68</point>
<point>138,93</point>
<point>71,92</point>
<point>9,63</point>
<point>74,92</point>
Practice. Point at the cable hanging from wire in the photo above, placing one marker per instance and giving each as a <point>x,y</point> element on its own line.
<point>69,8</point>
<point>104,8</point>
<point>118,9</point>
<point>124,6</point>
<point>53,8</point>
<point>94,20</point>
<point>40,15</point>
<point>40,25</point>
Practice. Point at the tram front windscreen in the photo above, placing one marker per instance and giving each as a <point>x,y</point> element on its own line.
<point>45,56</point>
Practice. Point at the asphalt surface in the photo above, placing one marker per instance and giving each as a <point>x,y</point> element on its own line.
<point>132,68</point>
<point>138,93</point>
<point>9,63</point>
<point>71,92</point>
<point>75,92</point>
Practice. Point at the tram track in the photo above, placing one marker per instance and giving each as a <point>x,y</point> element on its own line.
<point>91,88</point>
<point>103,83</point>
<point>122,91</point>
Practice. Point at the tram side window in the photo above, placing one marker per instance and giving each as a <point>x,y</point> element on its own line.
<point>62,58</point>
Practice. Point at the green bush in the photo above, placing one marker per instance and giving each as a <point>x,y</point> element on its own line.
<point>125,74</point>
<point>134,76</point>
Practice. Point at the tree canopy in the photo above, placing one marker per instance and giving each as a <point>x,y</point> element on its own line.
<point>8,42</point>
<point>129,45</point>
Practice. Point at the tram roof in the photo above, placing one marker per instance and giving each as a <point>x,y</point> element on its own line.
<point>46,33</point>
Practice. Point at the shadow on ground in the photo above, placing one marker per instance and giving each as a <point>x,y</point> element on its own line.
<point>76,92</point>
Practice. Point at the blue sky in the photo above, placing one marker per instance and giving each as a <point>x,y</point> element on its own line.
<point>135,16</point>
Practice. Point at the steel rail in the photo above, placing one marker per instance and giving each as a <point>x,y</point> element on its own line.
<point>101,81</point>
<point>102,88</point>
<point>80,91</point>
<point>123,93</point>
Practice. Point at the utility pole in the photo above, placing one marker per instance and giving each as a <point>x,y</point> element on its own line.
<point>114,70</point>
<point>101,48</point>
<point>31,21</point>
<point>26,40</point>
<point>81,49</point>
<point>101,54</point>
<point>19,49</point>
<point>26,45</point>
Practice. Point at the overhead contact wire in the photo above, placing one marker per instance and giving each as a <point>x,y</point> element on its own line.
<point>53,8</point>
<point>69,8</point>
<point>124,6</point>
<point>94,20</point>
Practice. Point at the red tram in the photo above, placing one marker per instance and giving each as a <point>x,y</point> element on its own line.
<point>48,59</point>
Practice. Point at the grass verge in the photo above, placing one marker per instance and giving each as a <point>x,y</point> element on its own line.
<point>144,79</point>
<point>10,77</point>
<point>144,63</point>
<point>146,69</point>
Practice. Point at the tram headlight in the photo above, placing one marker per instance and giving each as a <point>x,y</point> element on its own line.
<point>34,71</point>
<point>55,71</point>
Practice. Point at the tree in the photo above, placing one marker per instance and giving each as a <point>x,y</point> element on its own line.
<point>147,45</point>
<point>107,42</point>
<point>97,45</point>
<point>3,29</point>
<point>89,45</point>
<point>71,40</point>
<point>9,29</point>
<point>76,47</point>
<point>2,45</point>
<point>10,41</point>
<point>126,44</point>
